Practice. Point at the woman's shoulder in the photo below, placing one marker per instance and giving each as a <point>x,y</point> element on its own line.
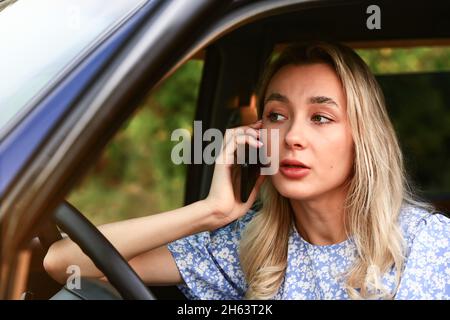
<point>419,225</point>
<point>426,274</point>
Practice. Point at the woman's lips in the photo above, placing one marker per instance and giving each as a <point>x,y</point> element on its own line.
<point>294,172</point>
<point>293,168</point>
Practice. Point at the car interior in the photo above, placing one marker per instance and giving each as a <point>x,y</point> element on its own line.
<point>232,65</point>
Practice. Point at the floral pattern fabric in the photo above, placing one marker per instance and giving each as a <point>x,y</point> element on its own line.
<point>209,262</point>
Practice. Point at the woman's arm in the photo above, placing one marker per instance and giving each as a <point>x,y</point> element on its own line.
<point>135,237</point>
<point>142,241</point>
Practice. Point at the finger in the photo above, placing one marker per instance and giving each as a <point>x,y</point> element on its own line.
<point>231,146</point>
<point>227,155</point>
<point>250,129</point>
<point>256,125</point>
<point>243,139</point>
<point>229,134</point>
<point>253,132</point>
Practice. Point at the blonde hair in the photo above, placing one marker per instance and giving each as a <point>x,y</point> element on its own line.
<point>378,186</point>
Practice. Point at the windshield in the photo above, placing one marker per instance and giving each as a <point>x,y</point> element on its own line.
<point>39,38</point>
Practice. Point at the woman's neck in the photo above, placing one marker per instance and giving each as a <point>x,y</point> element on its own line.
<point>321,221</point>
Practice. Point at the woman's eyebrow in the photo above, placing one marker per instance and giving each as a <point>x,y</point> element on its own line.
<point>322,100</point>
<point>275,96</point>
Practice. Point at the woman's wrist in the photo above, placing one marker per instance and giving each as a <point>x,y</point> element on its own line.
<point>214,216</point>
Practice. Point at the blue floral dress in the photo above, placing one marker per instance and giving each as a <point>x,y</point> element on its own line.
<point>209,262</point>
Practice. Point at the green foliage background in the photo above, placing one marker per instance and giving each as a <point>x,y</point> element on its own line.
<point>135,175</point>
<point>421,117</point>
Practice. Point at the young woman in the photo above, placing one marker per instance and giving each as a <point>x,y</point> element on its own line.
<point>346,225</point>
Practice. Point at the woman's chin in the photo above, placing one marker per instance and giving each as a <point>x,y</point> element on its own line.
<point>294,193</point>
<point>298,197</point>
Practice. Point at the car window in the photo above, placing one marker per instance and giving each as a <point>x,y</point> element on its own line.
<point>416,85</point>
<point>135,176</point>
<point>48,35</point>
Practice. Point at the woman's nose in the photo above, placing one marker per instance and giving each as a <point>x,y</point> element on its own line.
<point>295,136</point>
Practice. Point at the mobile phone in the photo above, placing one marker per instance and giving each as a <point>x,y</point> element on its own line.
<point>249,173</point>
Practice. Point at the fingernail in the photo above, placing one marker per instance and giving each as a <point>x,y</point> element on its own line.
<point>260,143</point>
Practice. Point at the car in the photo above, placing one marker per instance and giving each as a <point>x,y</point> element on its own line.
<point>77,70</point>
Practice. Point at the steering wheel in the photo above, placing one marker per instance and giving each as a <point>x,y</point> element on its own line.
<point>105,257</point>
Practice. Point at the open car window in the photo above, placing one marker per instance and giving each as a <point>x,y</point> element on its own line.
<point>415,81</point>
<point>135,176</point>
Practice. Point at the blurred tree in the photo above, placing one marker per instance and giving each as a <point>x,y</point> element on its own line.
<point>406,60</point>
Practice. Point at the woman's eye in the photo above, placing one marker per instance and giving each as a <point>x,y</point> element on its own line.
<point>274,116</point>
<point>321,122</point>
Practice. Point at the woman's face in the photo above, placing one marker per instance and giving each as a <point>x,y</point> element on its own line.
<point>308,106</point>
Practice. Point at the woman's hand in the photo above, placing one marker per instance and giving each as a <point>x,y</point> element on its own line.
<point>224,194</point>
